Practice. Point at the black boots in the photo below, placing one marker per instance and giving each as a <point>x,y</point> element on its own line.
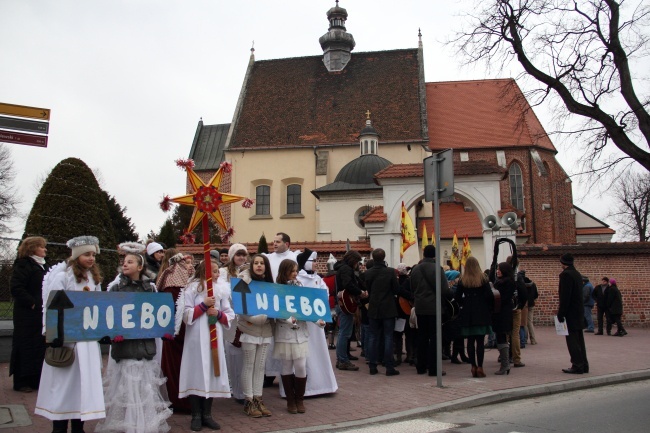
<point>77,426</point>
<point>503,358</point>
<point>60,426</point>
<point>288,382</point>
<point>195,405</point>
<point>206,415</point>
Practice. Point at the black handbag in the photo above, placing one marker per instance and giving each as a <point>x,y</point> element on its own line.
<point>59,357</point>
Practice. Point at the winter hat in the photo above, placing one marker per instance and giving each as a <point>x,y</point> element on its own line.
<point>429,252</point>
<point>233,250</point>
<point>612,282</point>
<point>131,247</point>
<point>566,259</point>
<point>402,269</point>
<point>153,248</point>
<point>83,244</point>
<point>303,257</point>
<point>214,254</point>
<point>585,278</point>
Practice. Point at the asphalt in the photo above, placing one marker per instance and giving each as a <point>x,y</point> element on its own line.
<point>362,399</point>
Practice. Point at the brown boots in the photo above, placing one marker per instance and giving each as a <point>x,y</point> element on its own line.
<point>294,388</point>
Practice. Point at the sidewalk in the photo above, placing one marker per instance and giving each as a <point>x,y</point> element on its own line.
<point>362,398</point>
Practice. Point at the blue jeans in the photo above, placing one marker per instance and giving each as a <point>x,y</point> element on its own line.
<point>376,327</point>
<point>346,324</point>
<point>589,318</point>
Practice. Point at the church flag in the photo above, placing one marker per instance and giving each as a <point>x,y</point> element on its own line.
<point>455,253</point>
<point>467,252</point>
<point>433,237</point>
<point>408,231</point>
<point>425,238</point>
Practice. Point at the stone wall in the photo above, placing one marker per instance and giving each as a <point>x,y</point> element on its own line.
<point>627,262</point>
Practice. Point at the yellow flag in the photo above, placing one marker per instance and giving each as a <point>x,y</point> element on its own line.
<point>455,253</point>
<point>408,231</point>
<point>467,252</point>
<point>433,238</point>
<point>425,239</point>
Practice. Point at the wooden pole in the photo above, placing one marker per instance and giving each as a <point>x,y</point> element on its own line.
<point>208,279</point>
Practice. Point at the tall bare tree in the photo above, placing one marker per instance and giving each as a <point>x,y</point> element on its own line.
<point>582,52</point>
<point>8,198</point>
<point>632,206</point>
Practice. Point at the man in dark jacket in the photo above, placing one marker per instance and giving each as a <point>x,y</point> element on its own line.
<point>588,300</point>
<point>599,297</point>
<point>382,285</point>
<point>571,311</point>
<point>423,281</point>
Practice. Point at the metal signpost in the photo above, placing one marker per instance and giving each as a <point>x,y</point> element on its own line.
<point>438,183</point>
<point>15,121</point>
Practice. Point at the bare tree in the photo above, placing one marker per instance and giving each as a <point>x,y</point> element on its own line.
<point>632,206</point>
<point>582,52</point>
<point>8,197</point>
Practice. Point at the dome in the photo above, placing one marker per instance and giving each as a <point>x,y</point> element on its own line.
<point>361,171</point>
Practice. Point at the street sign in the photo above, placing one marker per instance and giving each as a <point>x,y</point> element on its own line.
<point>439,175</point>
<point>24,125</point>
<point>24,111</point>
<point>20,138</point>
<point>280,301</point>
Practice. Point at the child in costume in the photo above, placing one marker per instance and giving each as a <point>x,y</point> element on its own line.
<point>134,403</point>
<point>73,392</point>
<point>256,335</point>
<point>197,380</point>
<point>292,345</point>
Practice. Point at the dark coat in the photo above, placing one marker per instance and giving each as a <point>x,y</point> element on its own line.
<point>28,344</point>
<point>475,305</point>
<point>502,322</point>
<point>571,305</point>
<point>382,285</point>
<point>599,295</point>
<point>423,282</point>
<point>533,294</point>
<point>614,300</point>
<point>346,279</point>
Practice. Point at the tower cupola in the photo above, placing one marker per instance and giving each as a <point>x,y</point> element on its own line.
<point>337,43</point>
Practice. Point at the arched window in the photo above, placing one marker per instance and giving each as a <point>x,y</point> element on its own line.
<point>294,199</point>
<point>263,200</point>
<point>516,186</point>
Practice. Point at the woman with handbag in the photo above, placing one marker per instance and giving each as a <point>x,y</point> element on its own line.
<point>28,343</point>
<point>73,392</point>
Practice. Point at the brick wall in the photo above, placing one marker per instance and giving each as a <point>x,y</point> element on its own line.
<point>627,262</point>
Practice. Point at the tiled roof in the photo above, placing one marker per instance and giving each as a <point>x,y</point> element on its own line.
<point>482,114</point>
<point>297,102</point>
<point>376,215</point>
<point>595,231</point>
<point>320,247</point>
<point>207,147</point>
<point>460,169</point>
<point>453,217</point>
<point>596,248</point>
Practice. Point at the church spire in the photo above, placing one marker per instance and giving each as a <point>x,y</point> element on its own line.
<point>337,43</point>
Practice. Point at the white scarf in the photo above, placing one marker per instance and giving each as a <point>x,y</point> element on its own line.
<point>39,260</point>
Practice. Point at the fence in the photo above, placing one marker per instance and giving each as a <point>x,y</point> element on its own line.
<point>8,249</point>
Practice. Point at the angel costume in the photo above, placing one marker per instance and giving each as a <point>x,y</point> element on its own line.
<point>320,375</point>
<point>197,373</point>
<point>73,392</point>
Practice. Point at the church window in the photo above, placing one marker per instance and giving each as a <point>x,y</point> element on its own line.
<point>516,186</point>
<point>263,200</point>
<point>294,199</point>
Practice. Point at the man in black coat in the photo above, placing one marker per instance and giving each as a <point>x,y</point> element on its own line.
<point>382,285</point>
<point>571,311</point>
<point>599,297</point>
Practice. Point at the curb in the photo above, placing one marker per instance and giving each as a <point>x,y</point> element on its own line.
<point>481,400</point>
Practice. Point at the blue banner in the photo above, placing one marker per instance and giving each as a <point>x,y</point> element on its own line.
<point>280,301</point>
<point>88,316</point>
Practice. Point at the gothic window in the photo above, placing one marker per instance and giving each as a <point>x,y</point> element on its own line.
<point>263,200</point>
<point>293,199</point>
<point>516,186</point>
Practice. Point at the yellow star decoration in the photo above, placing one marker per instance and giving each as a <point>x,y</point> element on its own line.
<point>206,198</point>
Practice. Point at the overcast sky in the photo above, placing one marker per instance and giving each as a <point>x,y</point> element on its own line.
<point>127,81</point>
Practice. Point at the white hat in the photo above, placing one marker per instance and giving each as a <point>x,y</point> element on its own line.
<point>154,247</point>
<point>83,244</point>
<point>234,248</point>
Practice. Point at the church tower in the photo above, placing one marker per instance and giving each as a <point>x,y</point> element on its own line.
<point>337,43</point>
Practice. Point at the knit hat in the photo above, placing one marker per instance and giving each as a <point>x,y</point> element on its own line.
<point>215,254</point>
<point>566,259</point>
<point>402,269</point>
<point>131,247</point>
<point>83,244</point>
<point>154,247</point>
<point>612,281</point>
<point>234,248</point>
<point>303,257</point>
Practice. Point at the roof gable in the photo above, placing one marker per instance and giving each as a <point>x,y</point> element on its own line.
<point>297,102</point>
<point>482,114</point>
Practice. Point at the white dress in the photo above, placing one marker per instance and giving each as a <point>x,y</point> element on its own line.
<point>320,374</point>
<point>197,373</point>
<point>73,392</point>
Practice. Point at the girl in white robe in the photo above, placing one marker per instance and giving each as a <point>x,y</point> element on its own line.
<point>74,392</point>
<point>197,380</point>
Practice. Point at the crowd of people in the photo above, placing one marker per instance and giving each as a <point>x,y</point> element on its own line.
<point>390,312</point>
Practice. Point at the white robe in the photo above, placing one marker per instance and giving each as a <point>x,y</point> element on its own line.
<point>276,258</point>
<point>197,373</point>
<point>320,374</point>
<point>73,392</point>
